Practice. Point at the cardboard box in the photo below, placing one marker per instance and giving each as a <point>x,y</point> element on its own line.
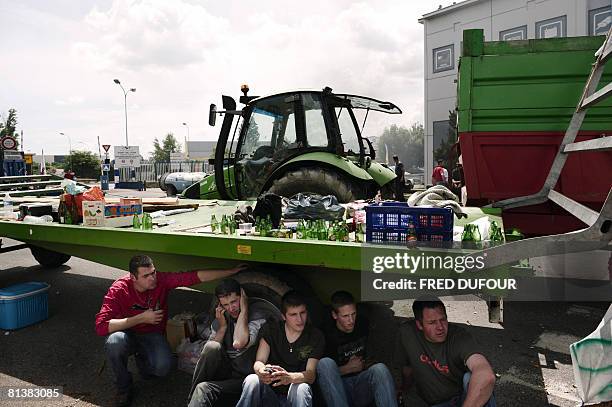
<point>97,213</point>
<point>93,213</point>
<point>130,201</point>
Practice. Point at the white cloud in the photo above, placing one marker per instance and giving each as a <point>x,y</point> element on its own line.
<point>181,55</point>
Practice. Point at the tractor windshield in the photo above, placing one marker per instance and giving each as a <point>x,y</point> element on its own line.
<point>270,136</point>
<point>349,136</point>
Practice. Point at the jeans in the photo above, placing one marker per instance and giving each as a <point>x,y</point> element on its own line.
<point>213,378</point>
<point>153,356</point>
<point>372,384</point>
<point>255,394</point>
<point>458,401</point>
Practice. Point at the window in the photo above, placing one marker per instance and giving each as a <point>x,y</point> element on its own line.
<point>599,21</point>
<point>444,58</point>
<point>271,124</point>
<point>440,133</point>
<point>552,28</point>
<point>316,132</point>
<point>514,34</point>
<point>347,131</point>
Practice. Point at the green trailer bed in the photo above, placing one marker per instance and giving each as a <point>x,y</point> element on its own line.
<point>325,266</point>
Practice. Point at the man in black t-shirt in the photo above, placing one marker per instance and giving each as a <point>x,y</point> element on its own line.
<point>400,180</point>
<point>443,360</point>
<point>286,361</point>
<point>343,375</point>
<point>228,356</point>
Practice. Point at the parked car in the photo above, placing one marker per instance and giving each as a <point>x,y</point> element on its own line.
<point>176,182</point>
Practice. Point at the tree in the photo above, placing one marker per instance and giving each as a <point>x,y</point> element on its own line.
<point>85,164</point>
<point>443,152</point>
<point>9,126</point>
<point>406,143</point>
<point>161,153</point>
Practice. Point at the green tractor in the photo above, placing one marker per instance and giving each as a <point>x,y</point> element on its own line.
<point>301,141</point>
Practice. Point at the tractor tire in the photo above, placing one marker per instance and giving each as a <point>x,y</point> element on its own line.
<point>49,258</point>
<point>272,285</point>
<point>315,181</point>
<point>170,190</point>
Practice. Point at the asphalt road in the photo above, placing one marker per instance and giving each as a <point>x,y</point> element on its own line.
<point>529,352</point>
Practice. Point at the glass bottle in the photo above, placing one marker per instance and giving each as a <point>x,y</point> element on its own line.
<point>214,224</point>
<point>61,210</point>
<point>322,231</point>
<point>495,232</point>
<point>136,222</point>
<point>224,225</point>
<point>300,232</point>
<point>411,235</point>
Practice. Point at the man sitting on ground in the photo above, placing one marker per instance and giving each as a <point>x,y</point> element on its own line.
<point>344,376</point>
<point>286,361</point>
<point>229,354</point>
<point>444,360</point>
<point>134,315</point>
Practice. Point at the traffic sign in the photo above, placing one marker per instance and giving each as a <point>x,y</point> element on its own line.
<point>8,143</point>
<point>106,147</point>
<point>127,157</point>
<point>105,167</point>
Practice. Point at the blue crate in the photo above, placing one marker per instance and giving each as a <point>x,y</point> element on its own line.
<point>23,304</point>
<point>388,222</point>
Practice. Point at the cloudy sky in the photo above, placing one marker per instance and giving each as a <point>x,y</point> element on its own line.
<point>60,58</point>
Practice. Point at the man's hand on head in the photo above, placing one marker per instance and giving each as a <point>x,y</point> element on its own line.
<point>220,316</point>
<point>244,302</point>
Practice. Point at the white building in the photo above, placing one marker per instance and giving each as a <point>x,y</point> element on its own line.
<point>501,20</point>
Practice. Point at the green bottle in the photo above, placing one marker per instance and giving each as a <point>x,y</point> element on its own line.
<point>231,226</point>
<point>322,231</point>
<point>224,225</point>
<point>136,222</point>
<point>495,232</point>
<point>300,232</point>
<point>214,224</point>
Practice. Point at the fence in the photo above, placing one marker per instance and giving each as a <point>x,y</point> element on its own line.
<point>150,172</point>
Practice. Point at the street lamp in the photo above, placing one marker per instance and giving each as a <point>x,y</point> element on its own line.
<point>187,140</point>
<point>125,92</point>
<point>70,148</point>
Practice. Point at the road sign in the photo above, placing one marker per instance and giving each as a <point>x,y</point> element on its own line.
<point>8,143</point>
<point>126,157</point>
<point>106,147</point>
<point>105,167</point>
<point>177,157</point>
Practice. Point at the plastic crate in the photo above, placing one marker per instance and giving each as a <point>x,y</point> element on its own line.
<point>388,222</point>
<point>23,304</point>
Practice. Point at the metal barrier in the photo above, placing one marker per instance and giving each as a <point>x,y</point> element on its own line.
<point>150,172</point>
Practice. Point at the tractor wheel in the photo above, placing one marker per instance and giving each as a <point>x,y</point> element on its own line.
<point>272,285</point>
<point>49,258</point>
<point>315,181</point>
<point>170,190</point>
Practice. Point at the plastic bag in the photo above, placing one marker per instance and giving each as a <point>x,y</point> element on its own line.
<point>592,360</point>
<point>312,207</point>
<point>189,354</point>
<point>93,194</point>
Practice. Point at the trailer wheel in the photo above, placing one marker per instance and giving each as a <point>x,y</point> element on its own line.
<point>49,258</point>
<point>272,285</point>
<point>315,181</point>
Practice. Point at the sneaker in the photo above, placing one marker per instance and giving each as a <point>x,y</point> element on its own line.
<point>123,399</point>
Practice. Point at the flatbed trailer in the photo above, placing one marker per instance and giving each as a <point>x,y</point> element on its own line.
<point>317,267</point>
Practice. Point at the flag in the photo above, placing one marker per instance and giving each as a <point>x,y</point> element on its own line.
<point>43,167</point>
<point>387,153</point>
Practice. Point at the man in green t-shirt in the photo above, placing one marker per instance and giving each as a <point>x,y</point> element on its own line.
<point>286,361</point>
<point>443,360</point>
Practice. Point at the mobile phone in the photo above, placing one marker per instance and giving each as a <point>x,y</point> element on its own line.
<point>269,370</point>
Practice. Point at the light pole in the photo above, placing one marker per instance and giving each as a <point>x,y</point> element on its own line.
<point>125,92</point>
<point>187,140</point>
<point>70,148</point>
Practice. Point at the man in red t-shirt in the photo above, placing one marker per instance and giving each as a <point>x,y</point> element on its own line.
<point>134,315</point>
<point>439,176</point>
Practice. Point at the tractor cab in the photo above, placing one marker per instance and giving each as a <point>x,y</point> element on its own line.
<point>296,142</point>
